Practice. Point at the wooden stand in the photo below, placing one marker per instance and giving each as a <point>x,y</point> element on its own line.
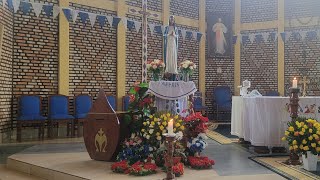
<point>169,156</point>
<point>294,105</point>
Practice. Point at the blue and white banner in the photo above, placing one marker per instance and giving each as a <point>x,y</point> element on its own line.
<point>137,25</point>
<point>37,7</point>
<point>92,18</point>
<point>151,27</point>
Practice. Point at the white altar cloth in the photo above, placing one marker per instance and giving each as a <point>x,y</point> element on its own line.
<point>263,120</point>
<point>172,94</point>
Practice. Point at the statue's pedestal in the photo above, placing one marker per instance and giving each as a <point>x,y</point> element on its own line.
<point>172,95</point>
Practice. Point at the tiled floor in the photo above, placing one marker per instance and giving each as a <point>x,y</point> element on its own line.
<point>231,160</point>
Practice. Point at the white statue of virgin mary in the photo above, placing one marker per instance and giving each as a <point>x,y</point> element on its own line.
<point>171,48</point>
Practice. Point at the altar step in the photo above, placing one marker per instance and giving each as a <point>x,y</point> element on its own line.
<point>9,174</point>
<point>72,162</point>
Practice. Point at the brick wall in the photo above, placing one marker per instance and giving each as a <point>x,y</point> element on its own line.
<point>259,63</point>
<point>259,10</point>
<point>93,55</point>
<point>154,5</point>
<point>35,63</point>
<point>185,8</point>
<point>6,19</point>
<point>214,79</point>
<point>295,63</point>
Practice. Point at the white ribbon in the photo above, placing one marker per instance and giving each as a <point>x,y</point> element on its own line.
<point>37,7</point>
<point>137,25</point>
<point>184,34</point>
<point>110,20</point>
<point>124,22</point>
<point>74,15</point>
<point>16,5</point>
<point>252,37</point>
<point>265,36</point>
<point>93,18</point>
<point>303,35</point>
<point>195,35</point>
<point>55,11</point>
<point>151,26</point>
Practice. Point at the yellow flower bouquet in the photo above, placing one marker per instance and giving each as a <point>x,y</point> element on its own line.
<point>303,135</point>
<point>157,125</point>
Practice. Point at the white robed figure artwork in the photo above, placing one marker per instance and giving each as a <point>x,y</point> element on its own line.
<point>171,48</point>
<point>220,29</point>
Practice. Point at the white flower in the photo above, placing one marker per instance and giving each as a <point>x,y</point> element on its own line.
<point>194,66</point>
<point>159,138</point>
<point>191,67</point>
<point>151,131</point>
<point>148,66</point>
<point>198,144</point>
<point>133,135</point>
<point>151,155</point>
<point>157,61</point>
<point>159,123</point>
<point>154,67</point>
<point>150,149</point>
<point>152,161</point>
<point>148,136</point>
<point>185,66</point>
<point>179,135</point>
<point>202,135</point>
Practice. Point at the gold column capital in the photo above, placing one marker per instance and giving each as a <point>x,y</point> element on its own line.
<point>63,74</point>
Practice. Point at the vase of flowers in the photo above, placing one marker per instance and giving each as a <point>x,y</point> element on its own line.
<point>187,67</point>
<point>303,138</point>
<point>156,67</point>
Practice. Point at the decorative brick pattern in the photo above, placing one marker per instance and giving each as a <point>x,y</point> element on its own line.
<point>213,79</point>
<point>296,63</point>
<point>189,50</point>
<point>93,55</point>
<point>298,9</point>
<point>259,10</point>
<point>189,9</point>
<point>134,52</point>
<point>6,19</point>
<point>153,5</point>
<point>259,64</point>
<point>35,63</point>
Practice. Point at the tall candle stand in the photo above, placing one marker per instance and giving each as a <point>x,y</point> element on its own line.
<point>170,138</point>
<point>294,105</point>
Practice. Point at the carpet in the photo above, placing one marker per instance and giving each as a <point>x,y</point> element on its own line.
<point>221,133</point>
<point>276,165</point>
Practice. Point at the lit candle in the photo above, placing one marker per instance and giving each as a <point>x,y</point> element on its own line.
<point>295,83</point>
<point>170,127</point>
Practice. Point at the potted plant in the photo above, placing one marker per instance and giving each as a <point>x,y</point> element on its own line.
<point>303,138</point>
<point>156,67</point>
<point>187,67</point>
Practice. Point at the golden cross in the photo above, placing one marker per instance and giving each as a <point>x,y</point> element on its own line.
<point>304,82</point>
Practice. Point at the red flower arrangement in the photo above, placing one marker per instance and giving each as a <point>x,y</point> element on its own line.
<point>120,167</point>
<point>143,169</point>
<point>200,162</point>
<point>195,124</point>
<point>178,169</point>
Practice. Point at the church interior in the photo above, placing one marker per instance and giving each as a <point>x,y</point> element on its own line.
<point>159,89</point>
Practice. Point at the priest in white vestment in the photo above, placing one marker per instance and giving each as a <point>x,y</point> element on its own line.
<point>171,48</point>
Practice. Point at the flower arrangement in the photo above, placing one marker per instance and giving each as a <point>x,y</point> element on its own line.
<point>156,67</point>
<point>198,144</point>
<point>143,169</point>
<point>200,162</point>
<point>178,169</point>
<point>195,124</point>
<point>121,167</point>
<point>187,67</point>
<point>156,126</point>
<point>134,149</point>
<point>303,135</point>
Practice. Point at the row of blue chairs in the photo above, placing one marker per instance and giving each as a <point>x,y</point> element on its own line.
<point>30,112</point>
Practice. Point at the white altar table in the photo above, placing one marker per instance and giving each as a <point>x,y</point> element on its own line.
<point>263,120</point>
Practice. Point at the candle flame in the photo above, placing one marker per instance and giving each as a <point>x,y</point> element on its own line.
<point>171,120</point>
<point>295,78</point>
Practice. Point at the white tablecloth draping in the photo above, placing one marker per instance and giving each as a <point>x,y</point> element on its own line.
<point>263,120</point>
<point>172,95</point>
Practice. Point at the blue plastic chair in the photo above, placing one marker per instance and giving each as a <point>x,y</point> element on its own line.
<point>82,106</point>
<point>197,104</point>
<point>125,103</point>
<point>112,101</point>
<point>272,93</point>
<point>59,113</point>
<point>30,113</point>
<point>222,100</point>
